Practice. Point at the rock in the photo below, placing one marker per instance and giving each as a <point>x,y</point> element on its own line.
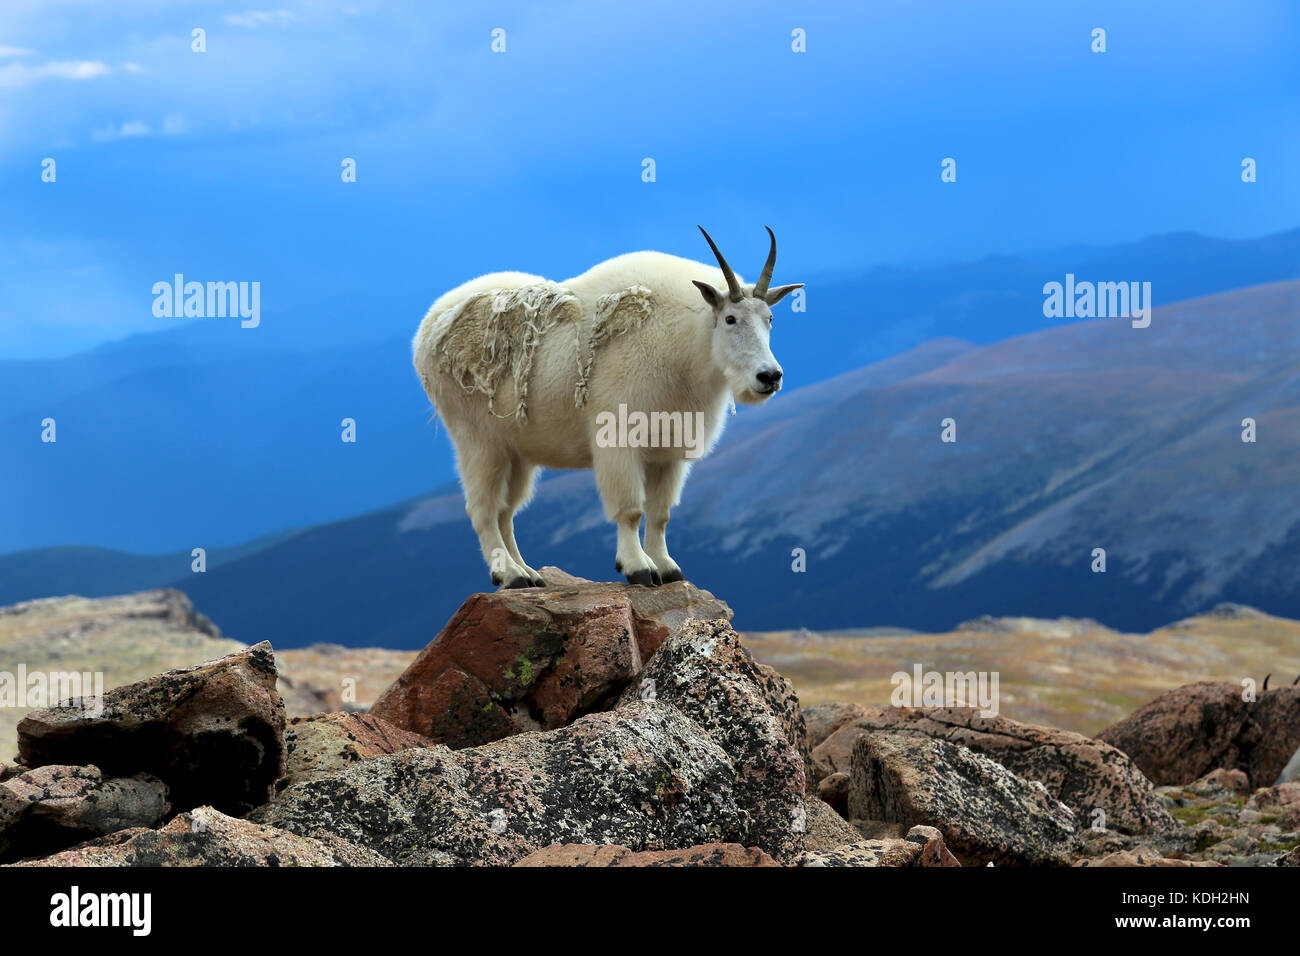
<point>125,638</point>
<point>206,837</point>
<point>825,829</point>
<point>822,720</point>
<point>55,806</point>
<point>1142,856</point>
<point>534,659</point>
<point>923,846</point>
<point>213,733</point>
<point>1220,783</point>
<point>1290,859</point>
<point>879,829</point>
<point>834,789</point>
<point>709,854</point>
<point>311,679</point>
<point>325,743</point>
<point>1084,774</point>
<point>750,711</point>
<point>985,812</point>
<point>1196,728</point>
<point>644,777</point>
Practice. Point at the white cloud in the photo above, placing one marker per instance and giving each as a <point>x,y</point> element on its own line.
<point>6,51</point>
<point>18,75</point>
<point>132,68</point>
<point>260,18</point>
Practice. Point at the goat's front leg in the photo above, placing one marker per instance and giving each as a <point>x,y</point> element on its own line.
<point>620,477</point>
<point>663,489</point>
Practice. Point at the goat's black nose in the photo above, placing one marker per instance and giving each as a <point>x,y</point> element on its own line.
<point>770,377</point>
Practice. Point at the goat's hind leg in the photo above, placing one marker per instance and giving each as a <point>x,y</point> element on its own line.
<point>519,488</point>
<point>663,488</point>
<point>485,472</point>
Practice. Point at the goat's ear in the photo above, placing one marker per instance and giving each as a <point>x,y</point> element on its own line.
<point>780,292</point>
<point>711,295</point>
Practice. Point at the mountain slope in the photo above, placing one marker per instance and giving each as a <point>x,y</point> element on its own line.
<point>1085,436</point>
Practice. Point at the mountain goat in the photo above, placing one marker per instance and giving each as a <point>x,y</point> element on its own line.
<point>625,369</point>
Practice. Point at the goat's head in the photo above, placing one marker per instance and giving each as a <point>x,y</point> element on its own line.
<point>742,329</point>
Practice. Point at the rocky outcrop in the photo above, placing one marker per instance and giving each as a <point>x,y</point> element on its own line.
<point>1200,727</point>
<point>645,777</point>
<point>1143,856</point>
<point>534,659</point>
<point>923,846</point>
<point>53,807</point>
<point>709,854</point>
<point>206,837</point>
<point>1086,775</point>
<point>822,720</point>
<point>750,711</point>
<point>214,733</point>
<point>984,811</point>
<point>325,743</point>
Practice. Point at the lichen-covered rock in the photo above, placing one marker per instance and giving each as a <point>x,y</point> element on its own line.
<point>822,720</point>
<point>1196,728</point>
<point>750,711</point>
<point>984,811</point>
<point>206,837</point>
<point>923,846</point>
<point>645,777</point>
<point>534,659</point>
<point>213,733</point>
<point>710,854</point>
<point>1086,775</point>
<point>834,790</point>
<point>824,828</point>
<point>53,807</point>
<point>325,743</point>
<point>1142,856</point>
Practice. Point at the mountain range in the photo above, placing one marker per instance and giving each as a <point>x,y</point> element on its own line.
<point>1074,438</point>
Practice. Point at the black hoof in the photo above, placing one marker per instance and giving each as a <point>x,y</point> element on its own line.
<point>538,582</point>
<point>645,577</point>
<point>618,566</point>
<point>497,578</point>
<point>672,576</point>
<point>519,582</point>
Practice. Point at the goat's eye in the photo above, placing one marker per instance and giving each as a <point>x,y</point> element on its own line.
<point>731,320</point>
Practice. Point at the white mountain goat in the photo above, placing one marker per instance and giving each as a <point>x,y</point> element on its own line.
<point>627,369</point>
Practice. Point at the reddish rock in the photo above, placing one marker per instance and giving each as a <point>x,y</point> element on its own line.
<point>1196,728</point>
<point>834,789</point>
<point>707,854</point>
<point>923,846</point>
<point>213,733</point>
<point>325,743</point>
<point>536,658</point>
<point>1142,856</point>
<point>1085,774</point>
<point>822,720</point>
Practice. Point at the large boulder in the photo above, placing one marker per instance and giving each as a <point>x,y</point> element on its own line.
<point>1086,775</point>
<point>750,711</point>
<point>984,811</point>
<point>605,855</point>
<point>55,806</point>
<point>324,743</point>
<point>536,658</point>
<point>213,733</point>
<point>822,720</point>
<point>206,837</point>
<point>644,776</point>
<point>1196,728</point>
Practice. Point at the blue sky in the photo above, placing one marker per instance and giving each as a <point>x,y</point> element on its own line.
<point>225,165</point>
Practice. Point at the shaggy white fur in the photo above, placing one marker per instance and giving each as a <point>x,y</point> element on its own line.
<point>644,333</point>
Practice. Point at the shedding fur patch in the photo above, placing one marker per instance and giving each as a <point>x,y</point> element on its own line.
<point>496,333</point>
<point>616,313</point>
